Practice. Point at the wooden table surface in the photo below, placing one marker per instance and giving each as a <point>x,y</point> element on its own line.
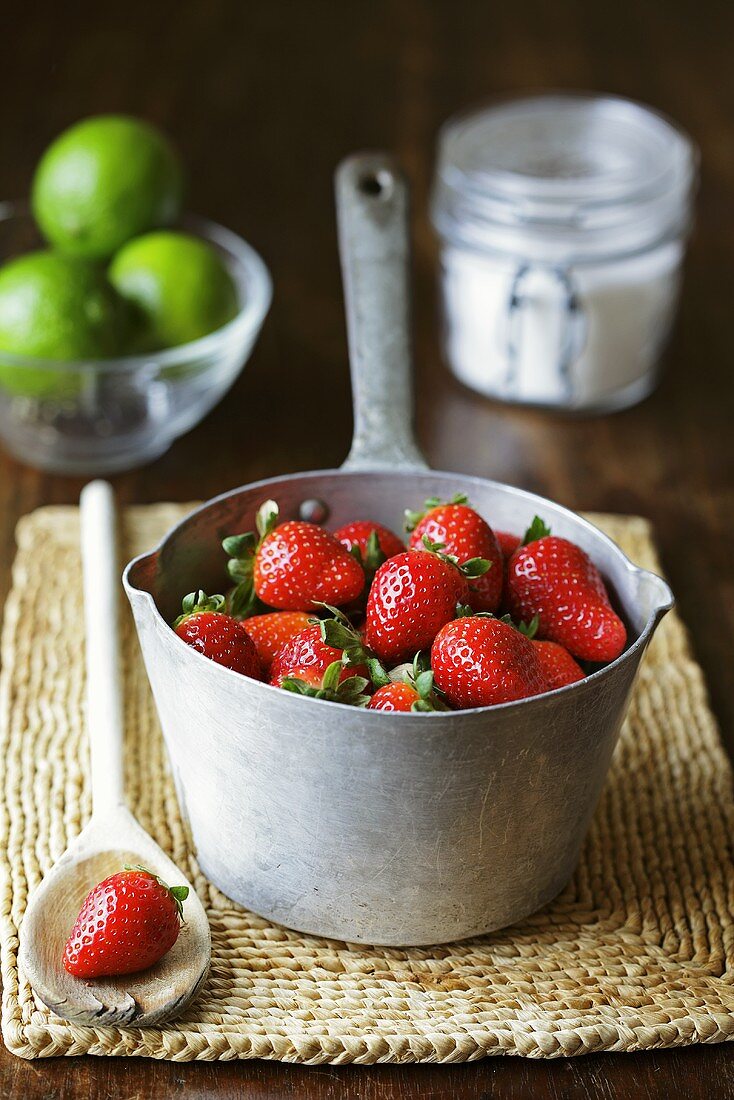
<point>263,99</point>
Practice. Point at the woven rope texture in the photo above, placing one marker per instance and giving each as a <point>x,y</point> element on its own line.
<point>636,953</point>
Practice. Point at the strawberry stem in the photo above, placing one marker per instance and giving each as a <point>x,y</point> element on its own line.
<point>241,550</point>
<point>419,676</point>
<point>350,691</point>
<point>471,568</point>
<point>373,557</point>
<point>538,529</point>
<point>412,519</point>
<point>339,633</point>
<point>195,603</point>
<point>266,519</point>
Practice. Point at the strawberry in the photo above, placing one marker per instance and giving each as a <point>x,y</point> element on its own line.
<point>479,661</point>
<point>395,696</point>
<point>508,543</point>
<point>370,543</point>
<point>412,596</point>
<point>292,566</point>
<point>332,685</point>
<point>460,532</point>
<point>218,636</point>
<point>559,667</point>
<point>308,655</point>
<point>554,579</point>
<point>270,632</point>
<point>127,922</point>
<point>413,691</point>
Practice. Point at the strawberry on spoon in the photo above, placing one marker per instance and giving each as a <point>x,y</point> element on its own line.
<point>127,923</point>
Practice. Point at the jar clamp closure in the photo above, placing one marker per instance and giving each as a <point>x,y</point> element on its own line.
<point>562,221</point>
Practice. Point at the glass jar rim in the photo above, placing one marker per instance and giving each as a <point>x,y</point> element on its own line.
<point>563,163</point>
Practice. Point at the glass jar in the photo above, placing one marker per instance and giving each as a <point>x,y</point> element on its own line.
<point>563,221</point>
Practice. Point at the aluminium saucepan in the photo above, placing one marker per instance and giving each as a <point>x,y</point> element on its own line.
<point>370,826</point>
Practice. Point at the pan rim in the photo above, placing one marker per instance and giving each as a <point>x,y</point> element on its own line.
<point>640,641</point>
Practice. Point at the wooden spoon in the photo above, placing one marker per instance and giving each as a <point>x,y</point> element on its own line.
<point>112,838</point>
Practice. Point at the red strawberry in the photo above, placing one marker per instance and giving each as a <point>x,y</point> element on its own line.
<point>332,684</point>
<point>479,661</point>
<point>292,566</point>
<point>554,579</point>
<point>413,691</point>
<point>412,596</point>
<point>271,632</point>
<point>369,542</point>
<point>398,696</point>
<point>508,543</point>
<point>219,637</point>
<point>459,531</point>
<point>559,667</point>
<point>307,656</point>
<point>127,922</point>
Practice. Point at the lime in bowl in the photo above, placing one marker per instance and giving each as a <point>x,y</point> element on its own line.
<point>106,415</point>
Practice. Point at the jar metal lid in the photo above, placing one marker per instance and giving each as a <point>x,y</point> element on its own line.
<point>563,176</point>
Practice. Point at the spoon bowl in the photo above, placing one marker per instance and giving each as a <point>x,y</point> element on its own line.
<point>142,999</point>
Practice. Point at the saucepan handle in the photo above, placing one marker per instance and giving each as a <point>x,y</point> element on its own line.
<point>372,214</point>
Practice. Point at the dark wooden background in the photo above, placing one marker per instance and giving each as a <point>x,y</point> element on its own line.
<point>263,98</point>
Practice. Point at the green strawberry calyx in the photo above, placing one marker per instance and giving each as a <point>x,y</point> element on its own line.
<point>372,558</point>
<point>528,629</point>
<point>241,550</point>
<point>350,691</point>
<point>471,568</point>
<point>538,529</point>
<point>338,632</point>
<point>419,676</point>
<point>197,602</point>
<point>412,519</point>
<point>178,893</point>
<point>463,611</point>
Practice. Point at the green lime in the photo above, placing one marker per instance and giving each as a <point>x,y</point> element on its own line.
<point>178,283</point>
<point>105,180</point>
<point>56,307</point>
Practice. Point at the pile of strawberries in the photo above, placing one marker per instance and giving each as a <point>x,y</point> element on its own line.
<point>462,617</point>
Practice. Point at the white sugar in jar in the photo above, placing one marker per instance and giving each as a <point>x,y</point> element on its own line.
<point>562,221</point>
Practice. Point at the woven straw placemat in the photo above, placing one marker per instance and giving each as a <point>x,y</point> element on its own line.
<point>636,953</point>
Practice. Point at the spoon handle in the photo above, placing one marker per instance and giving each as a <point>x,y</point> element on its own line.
<point>101,603</point>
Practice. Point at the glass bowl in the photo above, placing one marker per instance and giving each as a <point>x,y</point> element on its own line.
<point>102,416</point>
